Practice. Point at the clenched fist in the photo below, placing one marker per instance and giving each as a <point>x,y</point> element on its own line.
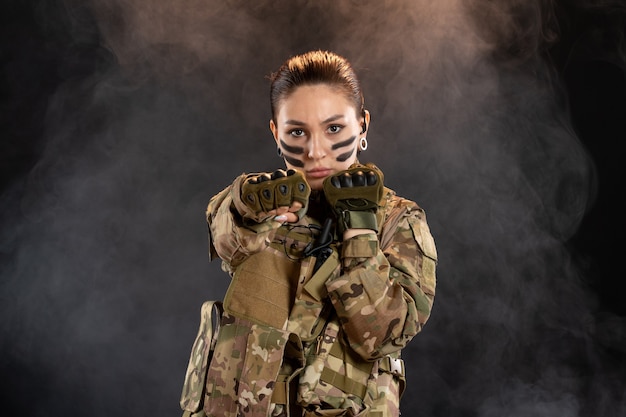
<point>354,195</point>
<point>270,194</point>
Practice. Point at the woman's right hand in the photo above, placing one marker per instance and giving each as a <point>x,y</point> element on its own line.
<point>281,195</point>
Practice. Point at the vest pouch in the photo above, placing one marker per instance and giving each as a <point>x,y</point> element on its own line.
<point>334,382</point>
<point>192,396</point>
<point>244,368</point>
<point>264,356</point>
<point>226,367</point>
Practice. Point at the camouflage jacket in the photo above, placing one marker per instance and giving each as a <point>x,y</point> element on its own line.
<point>298,342</point>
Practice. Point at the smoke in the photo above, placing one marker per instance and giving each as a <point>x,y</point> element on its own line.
<point>159,105</point>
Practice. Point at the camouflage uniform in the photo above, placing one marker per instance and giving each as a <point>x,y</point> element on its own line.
<point>294,342</point>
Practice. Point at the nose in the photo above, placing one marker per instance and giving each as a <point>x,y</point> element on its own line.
<point>316,147</point>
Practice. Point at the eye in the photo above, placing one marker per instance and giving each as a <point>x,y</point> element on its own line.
<point>334,128</point>
<point>296,132</point>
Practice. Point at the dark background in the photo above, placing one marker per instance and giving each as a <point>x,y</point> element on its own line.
<point>504,120</point>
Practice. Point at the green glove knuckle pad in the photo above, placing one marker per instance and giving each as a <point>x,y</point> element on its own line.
<point>354,195</point>
<point>265,192</point>
<point>358,188</point>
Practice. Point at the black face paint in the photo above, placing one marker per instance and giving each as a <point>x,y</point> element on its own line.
<point>294,161</point>
<point>343,143</point>
<point>291,149</point>
<point>295,150</point>
<point>344,156</point>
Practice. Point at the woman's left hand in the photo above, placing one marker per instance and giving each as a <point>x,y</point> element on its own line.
<point>354,195</point>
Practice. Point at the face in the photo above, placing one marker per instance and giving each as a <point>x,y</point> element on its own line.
<point>318,130</point>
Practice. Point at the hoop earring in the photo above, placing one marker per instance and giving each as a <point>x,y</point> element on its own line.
<point>279,152</point>
<point>362,144</point>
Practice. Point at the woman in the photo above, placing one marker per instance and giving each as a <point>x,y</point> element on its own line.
<point>332,272</point>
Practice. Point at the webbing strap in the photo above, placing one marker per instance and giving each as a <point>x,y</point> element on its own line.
<point>343,382</point>
<point>395,367</point>
<point>388,364</point>
<point>279,395</point>
<point>344,354</point>
<point>361,220</point>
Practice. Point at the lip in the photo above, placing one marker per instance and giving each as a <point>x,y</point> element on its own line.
<point>319,172</point>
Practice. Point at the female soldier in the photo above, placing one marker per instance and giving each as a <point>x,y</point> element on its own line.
<point>332,272</point>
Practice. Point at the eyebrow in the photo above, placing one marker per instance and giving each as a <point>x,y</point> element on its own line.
<point>294,122</point>
<point>328,120</point>
<point>333,118</point>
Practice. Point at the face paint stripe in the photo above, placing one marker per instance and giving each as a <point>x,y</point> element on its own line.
<point>344,143</point>
<point>291,149</point>
<point>294,161</point>
<point>344,156</point>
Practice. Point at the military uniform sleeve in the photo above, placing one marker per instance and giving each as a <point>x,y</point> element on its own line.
<point>233,237</point>
<point>384,295</point>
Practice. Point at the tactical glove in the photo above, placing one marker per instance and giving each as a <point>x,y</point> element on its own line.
<point>354,195</point>
<point>265,192</point>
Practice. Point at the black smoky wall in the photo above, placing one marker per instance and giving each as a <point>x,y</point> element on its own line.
<point>502,119</point>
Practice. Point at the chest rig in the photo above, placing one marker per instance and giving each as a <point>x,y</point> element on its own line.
<point>280,350</point>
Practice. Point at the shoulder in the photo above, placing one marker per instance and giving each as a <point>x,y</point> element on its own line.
<point>394,205</point>
<point>216,202</point>
<point>402,216</point>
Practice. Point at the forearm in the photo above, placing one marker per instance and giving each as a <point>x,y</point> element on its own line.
<point>381,306</point>
<point>385,295</point>
<point>230,238</point>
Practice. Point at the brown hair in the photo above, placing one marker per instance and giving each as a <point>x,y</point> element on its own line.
<point>315,67</point>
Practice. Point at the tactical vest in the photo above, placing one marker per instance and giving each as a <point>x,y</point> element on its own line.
<point>280,350</point>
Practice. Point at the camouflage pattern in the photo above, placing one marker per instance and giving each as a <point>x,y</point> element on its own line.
<point>337,354</point>
<point>244,368</point>
<point>195,378</point>
<point>322,383</point>
<point>384,389</point>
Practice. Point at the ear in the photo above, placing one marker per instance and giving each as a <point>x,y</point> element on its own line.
<point>274,130</point>
<point>365,121</point>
